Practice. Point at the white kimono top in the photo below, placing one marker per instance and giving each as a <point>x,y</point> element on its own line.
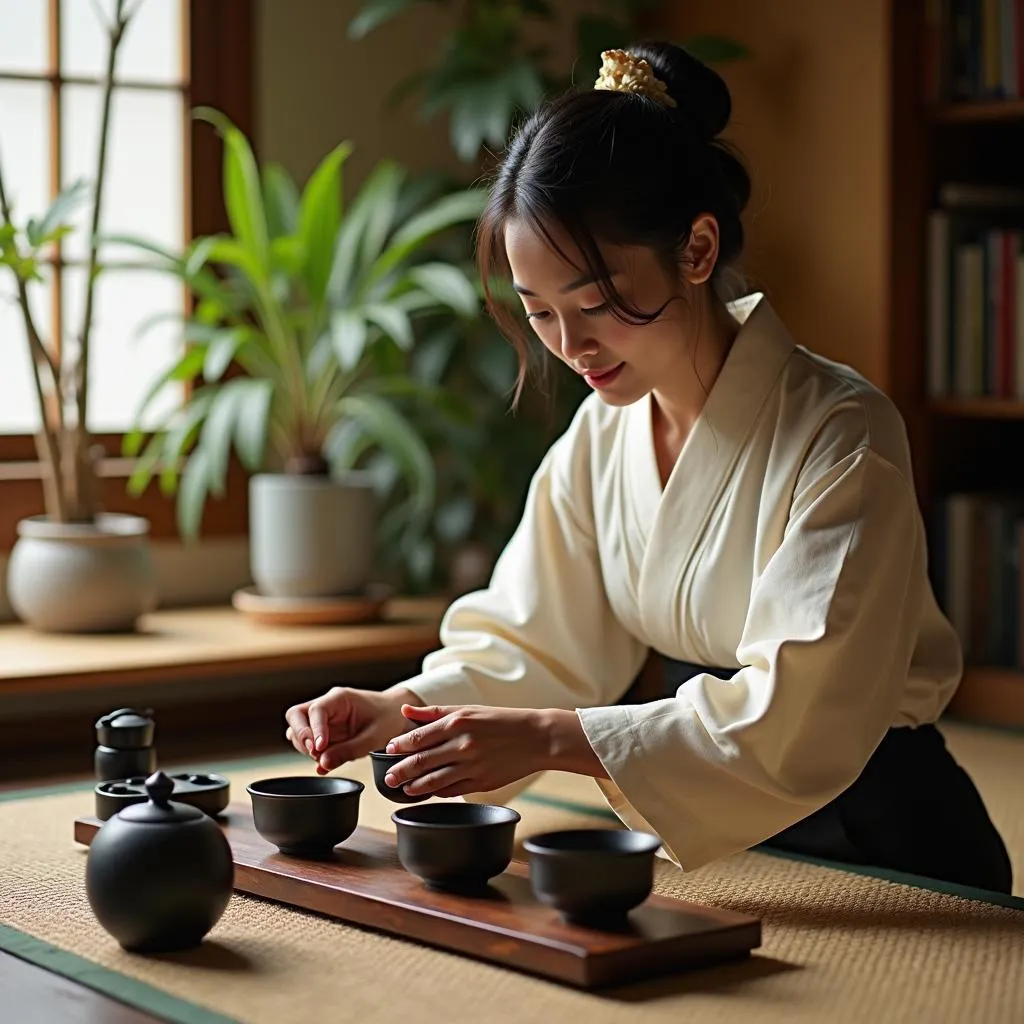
<point>787,544</point>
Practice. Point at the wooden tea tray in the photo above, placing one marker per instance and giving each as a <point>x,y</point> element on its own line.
<point>366,885</point>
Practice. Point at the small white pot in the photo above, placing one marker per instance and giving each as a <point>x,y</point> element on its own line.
<point>311,536</point>
<point>94,577</point>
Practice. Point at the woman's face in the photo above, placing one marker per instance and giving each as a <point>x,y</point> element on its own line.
<point>570,317</point>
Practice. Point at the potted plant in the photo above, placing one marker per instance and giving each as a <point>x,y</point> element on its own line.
<point>74,568</point>
<point>315,307</point>
<point>496,64</point>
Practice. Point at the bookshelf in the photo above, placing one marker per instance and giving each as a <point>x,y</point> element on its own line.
<point>978,408</point>
<point>999,110</point>
<point>956,363</point>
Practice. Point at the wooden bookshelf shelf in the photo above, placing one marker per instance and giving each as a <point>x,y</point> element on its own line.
<point>956,249</point>
<point>990,696</point>
<point>965,113</point>
<point>978,408</point>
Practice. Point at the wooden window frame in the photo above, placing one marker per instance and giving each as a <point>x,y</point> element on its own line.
<point>220,57</point>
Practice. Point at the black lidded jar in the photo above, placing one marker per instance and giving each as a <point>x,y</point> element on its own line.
<point>125,745</point>
<point>159,875</point>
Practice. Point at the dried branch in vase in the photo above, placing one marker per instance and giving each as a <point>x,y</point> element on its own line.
<point>71,480</point>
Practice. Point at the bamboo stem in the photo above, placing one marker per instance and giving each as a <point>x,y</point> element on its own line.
<point>79,464</point>
<point>39,352</point>
<point>46,439</point>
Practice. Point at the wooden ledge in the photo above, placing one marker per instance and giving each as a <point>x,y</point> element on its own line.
<point>196,643</point>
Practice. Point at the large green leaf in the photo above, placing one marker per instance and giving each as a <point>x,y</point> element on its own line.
<point>394,322</point>
<point>252,427</point>
<point>431,357</point>
<point>319,219</point>
<point>198,255</point>
<point>215,440</point>
<point>287,259</point>
<point>281,201</point>
<point>26,268</point>
<point>346,267</point>
<point>185,425</point>
<point>375,13</point>
<point>188,367</point>
<point>381,194</point>
<point>346,443</point>
<point>420,189</point>
<point>195,485</point>
<point>233,253</point>
<point>146,466</point>
<point>480,116</point>
<point>56,217</point>
<point>454,78</point>
<point>202,282</point>
<point>384,470</point>
<point>449,285</point>
<point>393,432</point>
<point>348,337</point>
<point>243,194</point>
<point>526,85</point>
<point>456,208</point>
<point>221,351</point>
<point>172,259</point>
<point>483,113</point>
<point>432,398</point>
<point>415,300</point>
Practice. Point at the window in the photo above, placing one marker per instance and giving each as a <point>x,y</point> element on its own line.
<point>163,183</point>
<point>51,66</point>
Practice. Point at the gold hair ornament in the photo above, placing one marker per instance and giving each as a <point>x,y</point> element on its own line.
<point>622,72</point>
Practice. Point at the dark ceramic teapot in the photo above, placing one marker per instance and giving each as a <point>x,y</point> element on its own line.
<point>159,874</point>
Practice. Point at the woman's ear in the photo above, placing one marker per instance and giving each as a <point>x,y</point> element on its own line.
<point>701,253</point>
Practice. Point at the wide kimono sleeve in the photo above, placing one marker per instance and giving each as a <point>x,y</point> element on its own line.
<point>542,633</point>
<point>825,649</point>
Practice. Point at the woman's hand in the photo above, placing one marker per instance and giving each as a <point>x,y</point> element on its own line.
<point>459,750</point>
<point>345,724</point>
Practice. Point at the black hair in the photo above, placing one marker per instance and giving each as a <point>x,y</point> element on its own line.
<point>623,169</point>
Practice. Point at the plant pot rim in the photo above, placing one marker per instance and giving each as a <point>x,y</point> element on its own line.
<point>106,526</point>
<point>350,478</point>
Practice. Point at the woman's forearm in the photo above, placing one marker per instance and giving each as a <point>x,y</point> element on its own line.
<point>568,749</point>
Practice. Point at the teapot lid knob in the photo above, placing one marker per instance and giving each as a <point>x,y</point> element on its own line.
<point>159,787</point>
<point>126,717</point>
<point>126,729</point>
<point>159,808</point>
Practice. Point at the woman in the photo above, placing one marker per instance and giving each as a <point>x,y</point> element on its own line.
<point>724,498</point>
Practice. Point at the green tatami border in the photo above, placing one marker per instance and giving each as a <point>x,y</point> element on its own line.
<point>121,987</point>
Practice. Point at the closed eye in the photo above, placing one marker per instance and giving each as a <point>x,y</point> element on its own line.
<point>595,310</point>
<point>542,314</point>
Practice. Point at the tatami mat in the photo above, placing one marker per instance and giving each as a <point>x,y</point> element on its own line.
<point>838,947</point>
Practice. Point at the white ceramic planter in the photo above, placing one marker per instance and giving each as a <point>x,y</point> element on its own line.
<point>311,536</point>
<point>82,577</point>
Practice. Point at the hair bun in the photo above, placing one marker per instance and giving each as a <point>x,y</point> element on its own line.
<point>701,95</point>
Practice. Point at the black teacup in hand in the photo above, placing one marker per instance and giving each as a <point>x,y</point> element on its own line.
<point>382,764</point>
